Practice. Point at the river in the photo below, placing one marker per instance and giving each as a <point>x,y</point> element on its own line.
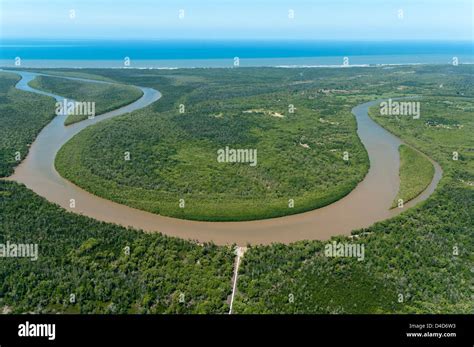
<point>368,203</point>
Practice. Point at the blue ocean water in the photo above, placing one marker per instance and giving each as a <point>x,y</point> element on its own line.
<point>272,52</point>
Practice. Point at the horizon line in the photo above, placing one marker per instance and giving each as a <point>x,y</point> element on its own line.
<point>249,39</point>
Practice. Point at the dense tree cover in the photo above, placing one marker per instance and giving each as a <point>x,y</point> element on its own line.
<point>425,254</point>
<point>418,262</point>
<point>22,116</point>
<point>106,97</point>
<point>300,279</point>
<point>173,155</point>
<point>411,255</point>
<point>89,259</point>
<point>416,173</point>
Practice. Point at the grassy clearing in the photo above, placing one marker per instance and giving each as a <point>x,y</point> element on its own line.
<point>416,173</point>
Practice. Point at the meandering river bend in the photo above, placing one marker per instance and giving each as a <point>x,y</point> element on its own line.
<point>368,203</point>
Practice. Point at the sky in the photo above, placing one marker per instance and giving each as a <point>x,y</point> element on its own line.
<point>450,20</point>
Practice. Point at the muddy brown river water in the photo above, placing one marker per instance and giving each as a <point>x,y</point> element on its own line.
<point>368,203</point>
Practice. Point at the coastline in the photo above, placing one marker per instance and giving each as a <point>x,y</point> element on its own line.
<point>296,62</point>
